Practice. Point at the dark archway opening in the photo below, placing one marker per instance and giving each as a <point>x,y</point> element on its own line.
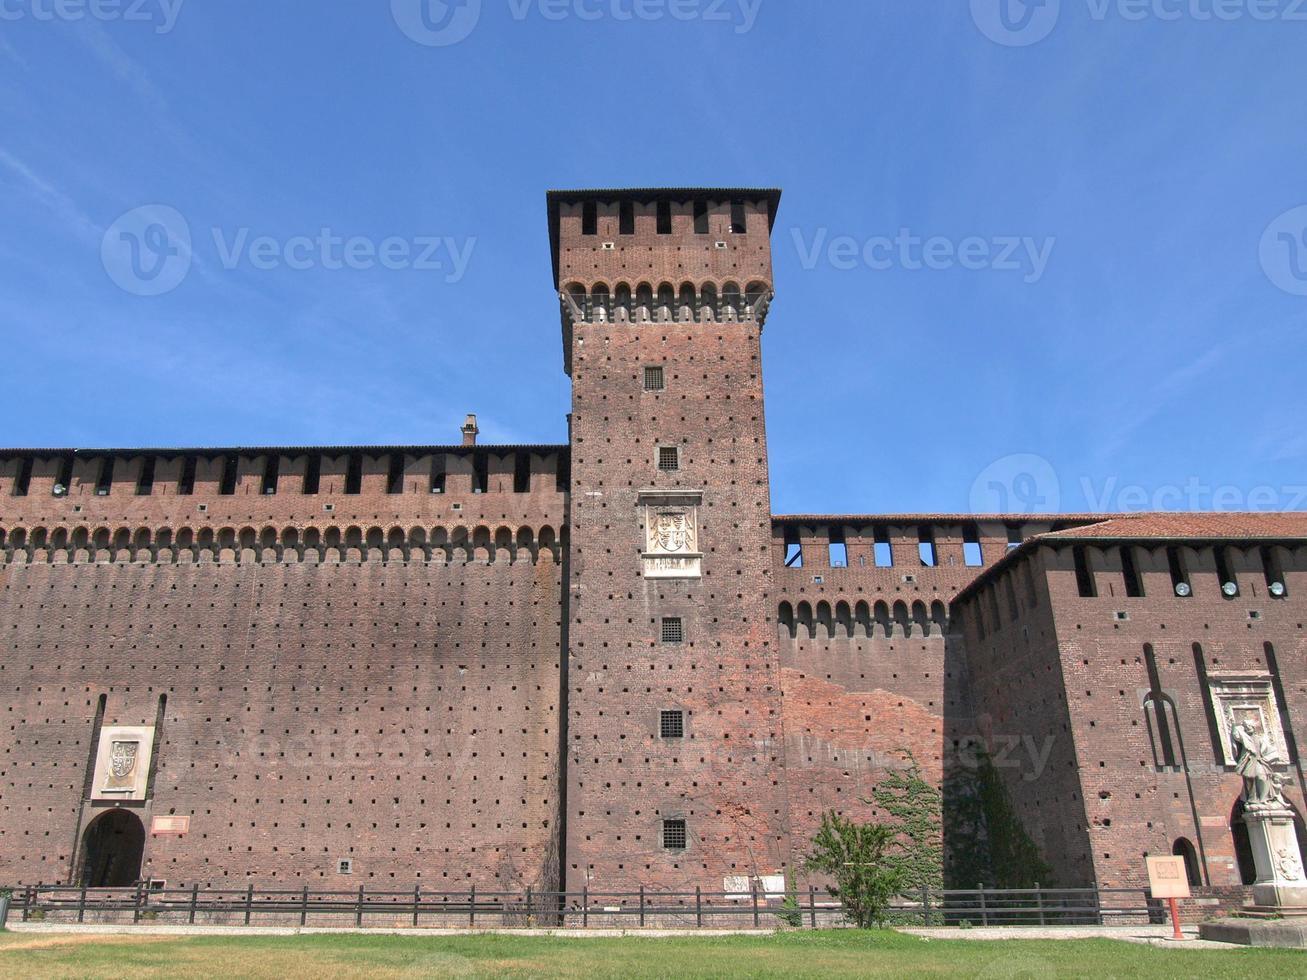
<point>112,848</point>
<point>1184,848</point>
<point>1243,848</point>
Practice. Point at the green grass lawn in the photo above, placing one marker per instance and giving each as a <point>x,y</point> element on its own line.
<point>839,953</point>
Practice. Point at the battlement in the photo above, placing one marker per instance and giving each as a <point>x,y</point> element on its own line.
<point>661,255</point>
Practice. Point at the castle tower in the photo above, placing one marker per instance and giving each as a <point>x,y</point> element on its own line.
<point>674,743</point>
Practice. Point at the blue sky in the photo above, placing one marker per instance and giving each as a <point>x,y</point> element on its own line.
<point>1112,316</point>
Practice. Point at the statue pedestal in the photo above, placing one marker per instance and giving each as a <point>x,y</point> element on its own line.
<point>1280,883</point>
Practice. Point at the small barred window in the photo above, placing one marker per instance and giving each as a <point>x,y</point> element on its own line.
<point>674,836</point>
<point>673,629</point>
<point>669,458</point>
<point>672,724</point>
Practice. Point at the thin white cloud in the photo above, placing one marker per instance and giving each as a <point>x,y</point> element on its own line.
<point>56,200</point>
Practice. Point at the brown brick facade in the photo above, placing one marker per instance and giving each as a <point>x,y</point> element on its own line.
<point>449,665</point>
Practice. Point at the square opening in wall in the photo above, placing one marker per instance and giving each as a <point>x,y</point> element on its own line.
<point>669,458</point>
<point>673,629</point>
<point>671,724</point>
<point>674,836</point>
<point>653,379</point>
<point>345,866</point>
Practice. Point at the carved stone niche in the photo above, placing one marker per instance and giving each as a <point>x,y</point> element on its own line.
<point>122,763</point>
<point>671,533</point>
<point>1243,698</point>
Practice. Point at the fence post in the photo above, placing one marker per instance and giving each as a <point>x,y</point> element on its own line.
<point>136,905</point>
<point>81,905</point>
<point>812,904</point>
<point>358,910</point>
<point>28,895</point>
<point>249,902</point>
<point>585,906</point>
<point>417,903</point>
<point>1039,898</point>
<point>1098,903</point>
<point>304,906</point>
<point>925,902</point>
<point>195,895</point>
<point>984,911</point>
<point>698,907</point>
<point>753,888</point>
<point>472,908</point>
<point>642,906</point>
<point>528,905</point>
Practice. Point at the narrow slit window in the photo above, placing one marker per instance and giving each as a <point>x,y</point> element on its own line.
<point>926,547</point>
<point>438,474</point>
<point>793,548</point>
<point>1273,573</point>
<point>271,475</point>
<point>738,219</point>
<point>395,474</point>
<point>669,458</point>
<point>312,474</point>
<point>104,483</point>
<point>480,473</point>
<point>64,478</point>
<point>1084,577</point>
<point>1229,584</point>
<point>671,724</point>
<point>522,472</point>
<point>1134,586</point>
<point>664,217</point>
<point>354,474</point>
<point>626,218</point>
<point>701,217</point>
<point>883,553</point>
<point>186,484</point>
<point>24,481</point>
<point>673,629</point>
<point>227,486</point>
<point>589,218</point>
<point>145,485</point>
<point>653,379</point>
<point>1179,579</point>
<point>972,556</point>
<point>839,550</point>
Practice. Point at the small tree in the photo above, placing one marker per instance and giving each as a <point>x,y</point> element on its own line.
<point>854,855</point>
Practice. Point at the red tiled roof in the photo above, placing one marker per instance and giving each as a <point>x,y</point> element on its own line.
<point>1205,526</point>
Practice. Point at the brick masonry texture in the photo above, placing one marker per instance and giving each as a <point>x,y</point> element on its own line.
<point>447,664</point>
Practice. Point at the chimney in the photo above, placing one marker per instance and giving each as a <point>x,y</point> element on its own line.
<point>470,431</point>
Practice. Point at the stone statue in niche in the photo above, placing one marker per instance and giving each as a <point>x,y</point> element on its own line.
<point>1256,753</point>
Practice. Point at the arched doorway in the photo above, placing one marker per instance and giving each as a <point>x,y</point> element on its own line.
<point>112,848</point>
<point>1183,847</point>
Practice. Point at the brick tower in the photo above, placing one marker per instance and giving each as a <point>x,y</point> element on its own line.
<point>674,742</point>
